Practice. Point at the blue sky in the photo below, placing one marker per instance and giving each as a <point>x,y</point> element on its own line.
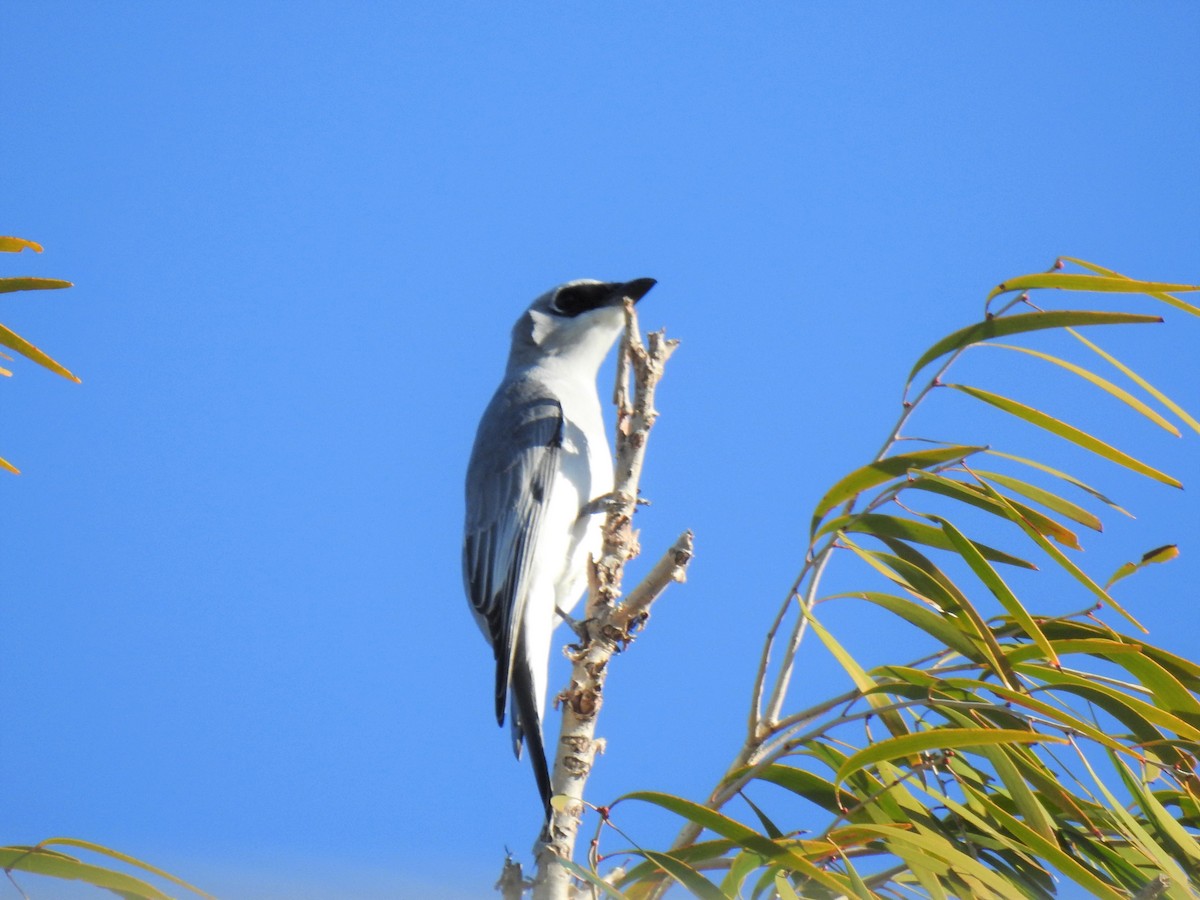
<point>235,642</point>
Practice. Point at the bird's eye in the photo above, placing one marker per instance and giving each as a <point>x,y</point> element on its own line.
<point>579,298</point>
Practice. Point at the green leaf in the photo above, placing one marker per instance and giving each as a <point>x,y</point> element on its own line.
<point>125,858</point>
<point>8,285</point>
<point>1001,591</point>
<point>591,878</point>
<point>1141,839</point>
<point>1165,298</point>
<point>918,575</point>
<point>909,530</point>
<point>1069,479</point>
<point>747,838</point>
<point>864,682</point>
<point>1031,809</point>
<point>934,849</point>
<point>884,470</point>
<point>1073,282</point>
<point>1063,430</point>
<point>977,497</point>
<point>1047,499</point>
<point>1157,555</point>
<point>1046,847</point>
<point>1139,381</point>
<point>39,861</point>
<point>16,245</point>
<point>936,739</point>
<point>1058,556</point>
<point>14,341</point>
<point>1103,383</point>
<point>939,627</point>
<point>1002,326</point>
<point>696,883</point>
<point>1179,837</point>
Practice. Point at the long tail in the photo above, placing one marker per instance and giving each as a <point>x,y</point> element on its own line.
<point>527,724</point>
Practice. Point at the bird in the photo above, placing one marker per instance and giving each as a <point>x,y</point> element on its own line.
<point>539,472</point>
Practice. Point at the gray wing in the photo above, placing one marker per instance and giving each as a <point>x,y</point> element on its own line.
<point>509,479</point>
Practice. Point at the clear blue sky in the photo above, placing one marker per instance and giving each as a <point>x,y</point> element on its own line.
<point>234,640</point>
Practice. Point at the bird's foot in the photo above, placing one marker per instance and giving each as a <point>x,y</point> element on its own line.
<point>579,626</point>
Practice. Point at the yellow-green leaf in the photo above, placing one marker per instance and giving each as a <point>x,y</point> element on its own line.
<point>1058,556</point>
<point>1069,479</point>
<point>8,285</point>
<point>917,532</point>
<point>125,858</point>
<point>1001,591</point>
<point>697,884</point>
<point>973,495</point>
<point>1165,298</point>
<point>9,244</point>
<point>1157,555</point>
<point>39,861</point>
<point>1050,500</point>
<point>1045,846</point>
<point>936,739</point>
<point>1103,383</point>
<point>862,681</point>
<point>1074,282</point>
<point>5,464</point>
<point>1138,380</point>
<point>1002,326</point>
<point>1068,432</point>
<point>884,470</point>
<point>14,341</point>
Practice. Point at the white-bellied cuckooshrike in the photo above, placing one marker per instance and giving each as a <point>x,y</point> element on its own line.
<point>540,464</point>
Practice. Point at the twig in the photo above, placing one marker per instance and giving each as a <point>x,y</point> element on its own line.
<point>610,624</point>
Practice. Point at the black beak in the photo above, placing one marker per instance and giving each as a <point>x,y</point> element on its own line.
<point>635,290</point>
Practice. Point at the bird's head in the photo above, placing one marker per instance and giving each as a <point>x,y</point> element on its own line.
<point>576,322</point>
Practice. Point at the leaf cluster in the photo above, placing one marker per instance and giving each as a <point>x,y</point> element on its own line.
<point>1028,750</point>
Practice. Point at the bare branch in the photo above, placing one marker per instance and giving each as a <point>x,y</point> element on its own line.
<point>610,623</point>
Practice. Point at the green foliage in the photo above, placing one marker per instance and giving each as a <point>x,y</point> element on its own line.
<point>42,858</point>
<point>1027,751</point>
<point>10,338</point>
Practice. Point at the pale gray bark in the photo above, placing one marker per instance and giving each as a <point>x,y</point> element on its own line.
<point>610,622</point>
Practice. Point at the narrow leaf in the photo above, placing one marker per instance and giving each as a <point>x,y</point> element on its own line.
<point>125,858</point>
<point>884,470</point>
<point>1165,298</point>
<point>1069,479</point>
<point>696,883</point>
<point>1058,556</point>
<point>975,496</point>
<point>740,834</point>
<point>999,589</point>
<point>1074,282</point>
<point>1166,824</point>
<point>1103,383</point>
<point>1050,500</point>
<point>917,532</point>
<point>14,341</point>
<point>1063,430</point>
<point>1046,847</point>
<point>16,245</point>
<point>1157,555</point>
<point>6,465</point>
<point>37,861</point>
<point>1138,835</point>
<point>1003,326</point>
<point>591,878</point>
<point>8,285</point>
<point>1138,380</point>
<point>862,681</point>
<point>937,739</point>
